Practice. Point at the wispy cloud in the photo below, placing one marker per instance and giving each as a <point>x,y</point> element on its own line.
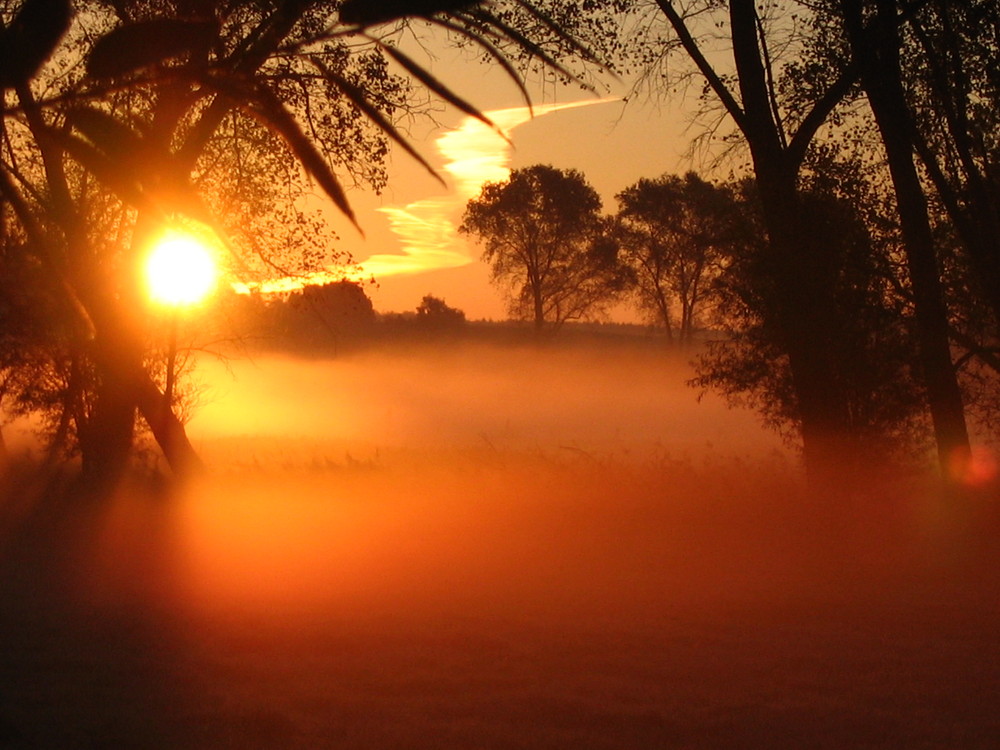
<point>427,229</point>
<point>473,154</point>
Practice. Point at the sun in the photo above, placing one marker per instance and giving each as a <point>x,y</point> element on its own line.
<point>180,270</point>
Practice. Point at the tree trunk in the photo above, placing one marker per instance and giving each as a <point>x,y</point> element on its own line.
<point>805,315</point>
<point>167,430</point>
<point>877,50</point>
<point>806,321</point>
<point>106,444</point>
<point>124,388</point>
<point>663,305</point>
<point>803,320</point>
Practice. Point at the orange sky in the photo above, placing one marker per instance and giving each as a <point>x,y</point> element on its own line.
<point>411,245</point>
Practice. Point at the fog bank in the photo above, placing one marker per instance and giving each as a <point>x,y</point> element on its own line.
<point>618,400</point>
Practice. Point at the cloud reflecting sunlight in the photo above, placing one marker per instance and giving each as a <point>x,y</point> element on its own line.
<point>427,229</point>
<point>473,155</point>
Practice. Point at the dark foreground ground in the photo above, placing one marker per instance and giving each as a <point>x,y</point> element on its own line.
<point>502,601</point>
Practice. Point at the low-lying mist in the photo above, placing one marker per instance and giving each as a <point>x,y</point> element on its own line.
<point>600,400</point>
<point>429,476</point>
<point>580,482</point>
<point>502,547</point>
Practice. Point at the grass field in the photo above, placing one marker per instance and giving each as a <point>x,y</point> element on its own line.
<point>497,548</point>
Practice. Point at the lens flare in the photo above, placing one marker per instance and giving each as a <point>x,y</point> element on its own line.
<point>180,270</point>
<point>976,468</point>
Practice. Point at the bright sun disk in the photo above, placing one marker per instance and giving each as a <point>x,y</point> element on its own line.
<point>180,271</point>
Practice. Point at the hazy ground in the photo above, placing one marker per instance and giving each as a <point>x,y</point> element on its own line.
<point>497,548</point>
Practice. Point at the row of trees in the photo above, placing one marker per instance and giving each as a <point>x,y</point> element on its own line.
<point>559,258</point>
<point>319,319</point>
<point>905,91</point>
<point>686,250</point>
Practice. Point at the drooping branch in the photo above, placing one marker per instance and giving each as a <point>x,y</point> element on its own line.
<point>761,128</point>
<point>772,94</point>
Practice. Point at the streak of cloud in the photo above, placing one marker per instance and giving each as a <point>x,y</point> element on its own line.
<point>473,154</point>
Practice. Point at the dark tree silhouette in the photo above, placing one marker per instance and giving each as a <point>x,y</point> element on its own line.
<point>433,312</point>
<point>546,241</point>
<point>875,45</point>
<point>949,57</point>
<point>122,131</point>
<point>321,318</point>
<point>781,77</point>
<point>777,130</point>
<point>123,138</point>
<point>674,232</point>
<point>874,336</point>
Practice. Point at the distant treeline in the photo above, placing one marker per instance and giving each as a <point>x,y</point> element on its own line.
<point>339,317</point>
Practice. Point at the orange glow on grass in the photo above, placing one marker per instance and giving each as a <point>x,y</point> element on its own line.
<point>180,270</point>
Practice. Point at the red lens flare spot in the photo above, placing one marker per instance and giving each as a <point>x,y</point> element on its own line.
<point>976,468</point>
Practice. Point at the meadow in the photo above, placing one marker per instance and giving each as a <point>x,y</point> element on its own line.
<point>480,546</point>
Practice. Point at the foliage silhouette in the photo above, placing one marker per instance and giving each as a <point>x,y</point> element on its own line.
<point>778,82</point>
<point>674,234</point>
<point>435,313</point>
<point>547,243</point>
<point>875,41</point>
<point>874,338</point>
<point>175,101</point>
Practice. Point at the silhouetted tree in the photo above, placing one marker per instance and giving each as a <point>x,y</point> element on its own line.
<point>874,339</point>
<point>674,233</point>
<point>730,47</point>
<point>547,243</point>
<point>802,70</point>
<point>873,30</point>
<point>949,55</point>
<point>317,317</point>
<point>134,139</point>
<point>433,312</point>
<point>144,111</point>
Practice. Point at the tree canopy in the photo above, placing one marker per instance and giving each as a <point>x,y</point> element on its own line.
<point>546,242</point>
<point>675,233</point>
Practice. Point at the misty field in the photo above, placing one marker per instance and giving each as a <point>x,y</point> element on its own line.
<point>496,547</point>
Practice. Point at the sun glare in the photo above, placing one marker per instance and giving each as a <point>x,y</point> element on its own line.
<point>180,270</point>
